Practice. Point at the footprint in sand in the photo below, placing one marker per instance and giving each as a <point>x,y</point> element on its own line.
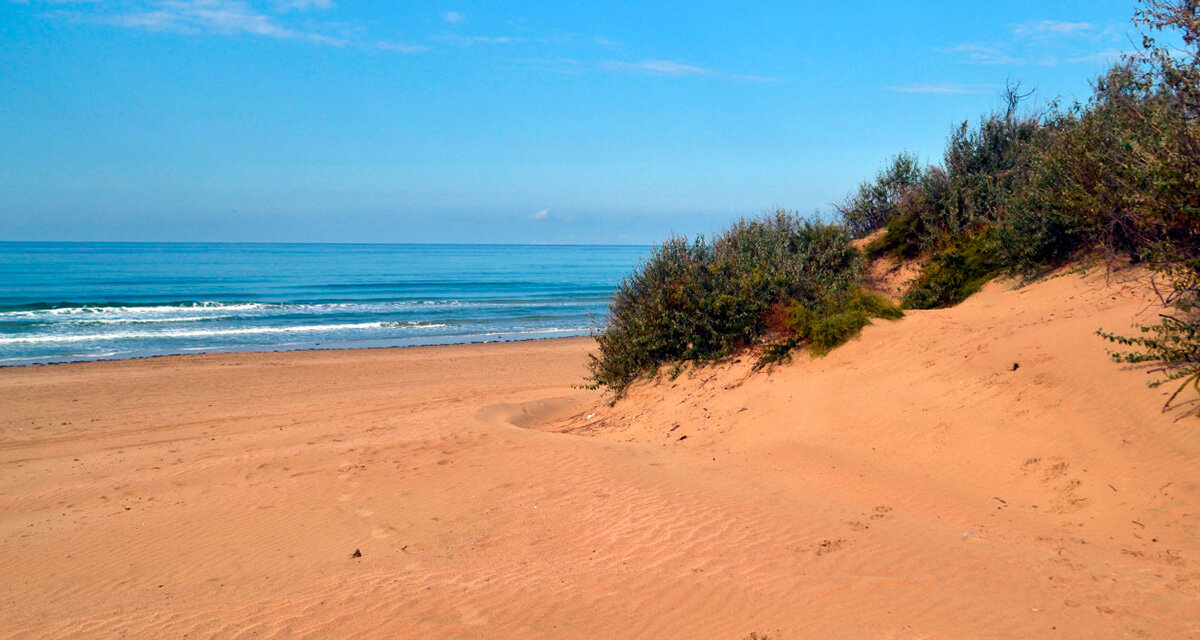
<point>1057,470</point>
<point>829,546</point>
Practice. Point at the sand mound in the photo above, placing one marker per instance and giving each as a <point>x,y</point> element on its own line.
<point>982,471</point>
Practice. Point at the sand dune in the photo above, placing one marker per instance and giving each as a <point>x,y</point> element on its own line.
<point>912,484</point>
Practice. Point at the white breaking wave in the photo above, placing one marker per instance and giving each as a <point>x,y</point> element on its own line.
<point>533,331</point>
<point>413,325</point>
<point>199,307</point>
<point>92,321</point>
<point>207,311</point>
<point>207,333</point>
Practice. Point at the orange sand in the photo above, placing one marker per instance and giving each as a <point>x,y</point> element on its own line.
<point>909,485</point>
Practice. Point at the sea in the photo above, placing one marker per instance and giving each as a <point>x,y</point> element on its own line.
<point>63,302</point>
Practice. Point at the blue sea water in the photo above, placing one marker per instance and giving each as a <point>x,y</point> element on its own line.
<point>63,302</point>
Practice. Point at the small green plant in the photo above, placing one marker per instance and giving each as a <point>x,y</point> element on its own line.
<point>901,240</point>
<point>1173,344</point>
<point>837,318</point>
<point>773,353</point>
<point>954,274</point>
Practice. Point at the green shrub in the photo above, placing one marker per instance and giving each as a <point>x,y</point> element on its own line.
<point>1174,343</point>
<point>1115,173</point>
<point>878,306</point>
<point>954,273</point>
<point>838,318</point>
<point>834,329</point>
<point>878,201</point>
<point>778,352</point>
<point>1156,98</point>
<point>701,300</point>
<point>903,238</point>
<point>986,165</point>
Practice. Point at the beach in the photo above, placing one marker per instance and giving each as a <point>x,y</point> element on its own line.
<point>984,471</point>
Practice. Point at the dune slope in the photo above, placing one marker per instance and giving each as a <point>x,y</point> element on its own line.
<point>982,471</point>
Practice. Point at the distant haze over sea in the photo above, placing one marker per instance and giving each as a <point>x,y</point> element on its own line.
<point>85,301</point>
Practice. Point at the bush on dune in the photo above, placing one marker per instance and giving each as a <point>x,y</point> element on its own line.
<point>1017,193</point>
<point>879,200</point>
<point>1118,174</point>
<point>832,322</point>
<point>702,300</point>
<point>1169,118</point>
<point>954,273</point>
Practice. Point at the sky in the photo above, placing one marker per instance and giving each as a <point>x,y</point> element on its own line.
<point>525,122</point>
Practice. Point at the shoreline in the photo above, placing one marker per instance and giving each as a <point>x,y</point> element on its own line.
<point>254,349</point>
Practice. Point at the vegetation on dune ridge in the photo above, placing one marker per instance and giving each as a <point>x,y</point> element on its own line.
<point>1017,193</point>
<point>781,275</point>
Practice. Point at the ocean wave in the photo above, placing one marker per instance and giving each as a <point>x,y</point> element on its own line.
<point>534,331</point>
<point>119,321</point>
<point>67,308</point>
<point>210,333</point>
<point>137,312</point>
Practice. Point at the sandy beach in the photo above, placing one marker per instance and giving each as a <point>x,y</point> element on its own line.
<point>984,471</point>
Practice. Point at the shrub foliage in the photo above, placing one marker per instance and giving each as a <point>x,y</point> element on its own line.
<point>1017,192</point>
<point>1021,193</point>
<point>954,273</point>
<point>701,300</point>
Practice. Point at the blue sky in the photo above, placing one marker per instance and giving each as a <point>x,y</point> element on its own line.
<point>346,121</point>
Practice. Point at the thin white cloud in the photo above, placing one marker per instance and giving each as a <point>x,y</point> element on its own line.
<point>562,65</point>
<point>490,40</point>
<point>540,215</point>
<point>561,51</point>
<point>302,5</point>
<point>944,89</point>
<point>674,69</point>
<point>215,16</point>
<point>1106,57</point>
<point>402,47</point>
<point>1044,42</point>
<point>1045,29</point>
<point>237,17</point>
<point>985,54</point>
<point>560,37</point>
<point>471,40</point>
<point>658,67</point>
